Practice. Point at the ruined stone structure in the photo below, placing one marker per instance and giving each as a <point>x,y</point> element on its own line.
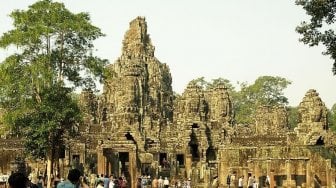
<point>136,126</point>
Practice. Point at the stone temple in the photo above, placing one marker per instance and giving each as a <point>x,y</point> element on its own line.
<point>137,124</point>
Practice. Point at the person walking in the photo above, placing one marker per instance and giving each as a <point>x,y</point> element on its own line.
<point>240,182</point>
<point>166,183</point>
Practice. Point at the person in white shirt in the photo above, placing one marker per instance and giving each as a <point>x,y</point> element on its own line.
<point>166,182</point>
<point>240,182</point>
<point>111,182</point>
<point>100,184</point>
<point>160,182</point>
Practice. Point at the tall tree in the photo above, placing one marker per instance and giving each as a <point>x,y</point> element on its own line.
<point>293,117</point>
<point>54,47</point>
<point>321,28</point>
<point>221,81</point>
<point>266,90</point>
<point>332,118</point>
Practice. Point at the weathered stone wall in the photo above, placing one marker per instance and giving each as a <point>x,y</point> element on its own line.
<point>134,124</point>
<point>312,127</point>
<point>288,166</point>
<point>271,120</point>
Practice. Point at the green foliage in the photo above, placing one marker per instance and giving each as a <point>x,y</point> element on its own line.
<point>54,47</point>
<point>46,123</point>
<point>332,118</point>
<point>200,82</point>
<point>266,90</point>
<point>320,28</point>
<point>205,85</point>
<point>293,117</point>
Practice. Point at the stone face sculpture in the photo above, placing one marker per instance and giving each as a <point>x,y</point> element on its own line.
<point>139,93</point>
<point>312,112</point>
<point>271,119</point>
<point>221,108</point>
<point>130,127</point>
<point>312,124</point>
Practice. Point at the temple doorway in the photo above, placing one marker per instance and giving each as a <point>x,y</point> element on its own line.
<point>124,163</point>
<point>163,160</point>
<point>193,146</point>
<point>180,159</point>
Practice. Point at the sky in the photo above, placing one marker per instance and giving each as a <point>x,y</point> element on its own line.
<point>239,40</point>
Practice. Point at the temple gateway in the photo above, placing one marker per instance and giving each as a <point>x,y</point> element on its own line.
<point>137,126</point>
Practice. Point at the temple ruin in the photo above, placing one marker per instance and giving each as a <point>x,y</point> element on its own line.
<point>136,125</point>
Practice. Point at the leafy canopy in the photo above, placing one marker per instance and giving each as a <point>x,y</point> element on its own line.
<point>266,90</point>
<point>54,47</point>
<point>320,29</point>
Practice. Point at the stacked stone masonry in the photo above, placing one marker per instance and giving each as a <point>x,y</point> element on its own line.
<point>137,126</point>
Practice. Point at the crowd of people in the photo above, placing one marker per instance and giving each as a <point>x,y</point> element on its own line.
<point>75,179</point>
<point>252,182</point>
<point>147,182</point>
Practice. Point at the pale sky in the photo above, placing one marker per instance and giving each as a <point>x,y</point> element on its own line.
<point>239,40</point>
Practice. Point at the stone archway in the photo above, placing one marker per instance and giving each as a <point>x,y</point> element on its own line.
<point>119,158</point>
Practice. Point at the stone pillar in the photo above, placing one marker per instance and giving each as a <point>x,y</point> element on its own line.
<point>245,174</point>
<point>100,161</point>
<point>132,168</point>
<point>288,174</point>
<point>272,181</point>
<point>328,173</point>
<point>257,167</point>
<point>308,174</point>
<point>188,161</point>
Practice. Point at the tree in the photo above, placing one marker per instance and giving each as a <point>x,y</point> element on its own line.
<point>293,117</point>
<point>332,118</point>
<point>320,28</point>
<point>54,47</point>
<point>221,81</point>
<point>266,90</point>
<point>200,82</point>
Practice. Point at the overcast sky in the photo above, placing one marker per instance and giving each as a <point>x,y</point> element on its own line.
<point>239,40</point>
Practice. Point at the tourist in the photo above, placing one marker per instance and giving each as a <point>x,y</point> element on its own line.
<point>96,181</point>
<point>228,180</point>
<point>139,183</point>
<point>73,180</point>
<point>179,184</point>
<point>155,183</point>
<point>122,182</point>
<point>105,179</point>
<point>240,182</point>
<point>100,184</point>
<point>40,182</point>
<point>215,182</point>
<point>17,180</point>
<point>188,183</point>
<point>267,181</point>
<point>143,181</point>
<point>255,184</point>
<point>57,180</point>
<point>83,182</point>
<point>250,181</point>
<point>160,181</point>
<point>111,183</point>
<point>165,163</point>
<point>166,183</point>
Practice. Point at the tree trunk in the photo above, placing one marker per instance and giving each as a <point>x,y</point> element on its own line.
<point>49,167</point>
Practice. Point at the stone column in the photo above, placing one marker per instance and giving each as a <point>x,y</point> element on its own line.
<point>100,161</point>
<point>132,168</point>
<point>257,167</point>
<point>288,173</point>
<point>328,173</point>
<point>272,181</point>
<point>308,174</point>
